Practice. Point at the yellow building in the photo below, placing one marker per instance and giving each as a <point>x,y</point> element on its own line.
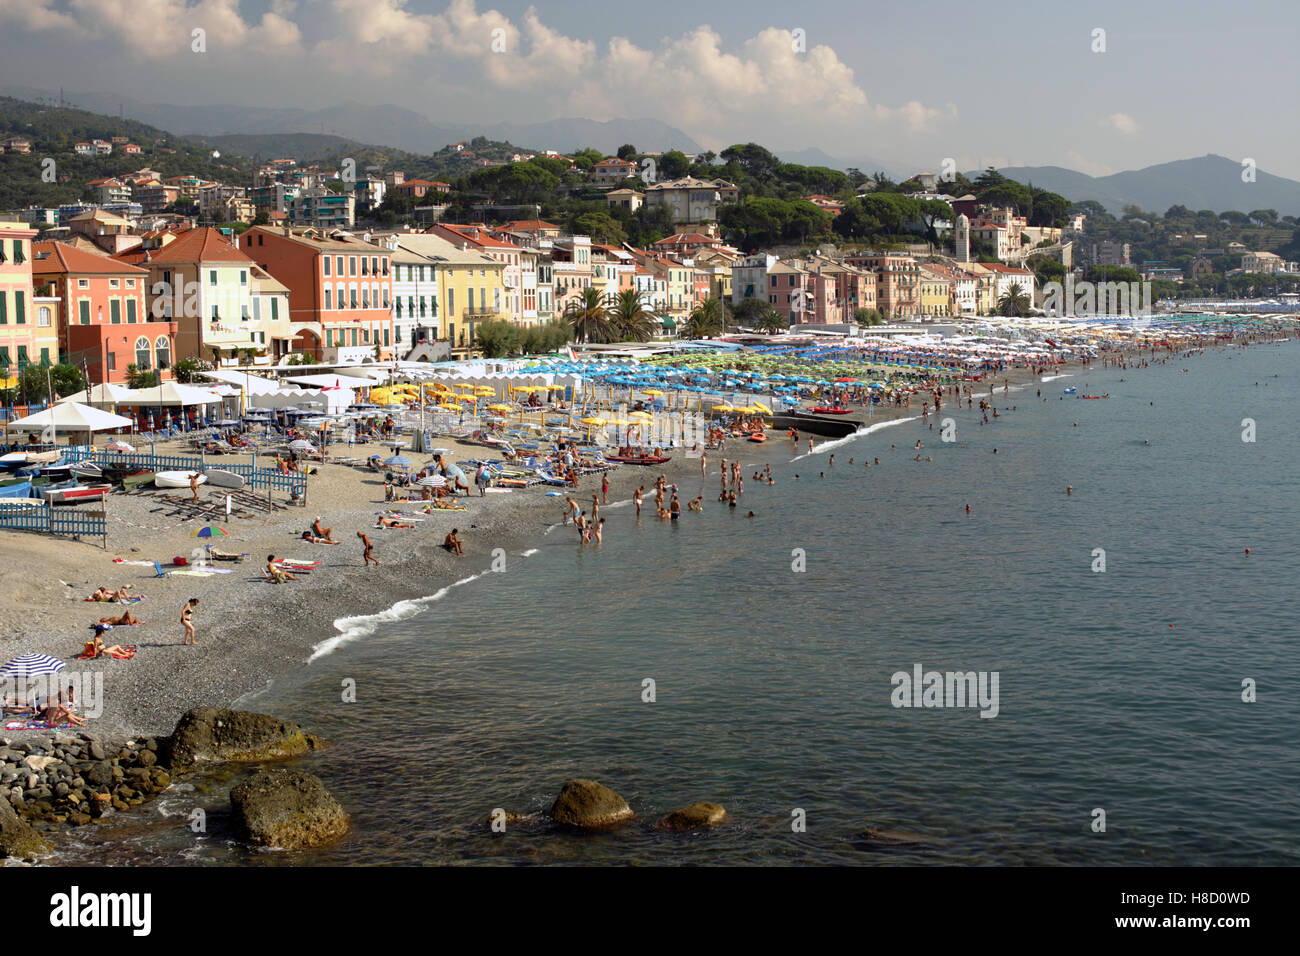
<point>470,287</point>
<point>29,334</point>
<point>936,292</point>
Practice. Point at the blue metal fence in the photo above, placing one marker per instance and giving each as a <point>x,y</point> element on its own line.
<point>258,479</point>
<point>48,519</point>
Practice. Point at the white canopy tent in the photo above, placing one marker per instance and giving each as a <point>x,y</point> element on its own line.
<point>253,384</point>
<point>103,394</point>
<point>70,417</point>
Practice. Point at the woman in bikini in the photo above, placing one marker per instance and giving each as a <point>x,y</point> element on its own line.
<point>187,620</point>
<point>125,620</point>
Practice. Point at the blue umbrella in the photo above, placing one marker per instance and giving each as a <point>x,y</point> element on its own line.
<point>32,665</point>
<point>398,461</point>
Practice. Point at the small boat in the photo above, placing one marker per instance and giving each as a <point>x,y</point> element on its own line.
<point>758,437</point>
<point>1071,390</point>
<point>831,410</point>
<point>138,480</point>
<point>13,460</point>
<point>87,470</point>
<point>639,459</point>
<point>219,478</point>
<point>1095,396</point>
<point>71,494</point>
<point>175,479</point>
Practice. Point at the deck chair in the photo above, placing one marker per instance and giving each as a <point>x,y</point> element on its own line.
<point>160,572</point>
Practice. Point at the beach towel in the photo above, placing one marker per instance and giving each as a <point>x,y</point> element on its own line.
<point>35,725</point>
<point>143,564</point>
<point>131,600</point>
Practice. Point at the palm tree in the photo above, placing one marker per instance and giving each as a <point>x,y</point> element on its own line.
<point>588,317</point>
<point>1014,301</point>
<point>705,319</point>
<point>630,321</point>
<point>771,321</point>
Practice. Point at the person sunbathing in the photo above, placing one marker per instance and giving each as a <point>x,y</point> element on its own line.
<point>96,648</point>
<point>320,532</point>
<point>313,539</point>
<point>125,620</point>
<point>103,594</point>
<point>276,573</point>
<point>387,522</point>
<point>55,714</point>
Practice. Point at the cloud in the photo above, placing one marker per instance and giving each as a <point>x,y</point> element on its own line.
<point>34,15</point>
<point>1122,122</point>
<point>465,62</point>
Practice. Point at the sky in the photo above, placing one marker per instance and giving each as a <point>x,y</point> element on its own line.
<point>997,83</point>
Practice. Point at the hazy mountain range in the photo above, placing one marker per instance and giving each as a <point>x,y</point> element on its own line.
<point>1209,182</point>
<point>388,125</point>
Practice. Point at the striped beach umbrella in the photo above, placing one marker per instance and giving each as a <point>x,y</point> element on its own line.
<point>32,665</point>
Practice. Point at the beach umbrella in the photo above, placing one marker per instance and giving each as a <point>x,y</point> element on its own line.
<point>398,461</point>
<point>210,531</point>
<point>116,445</point>
<point>432,481</point>
<point>593,421</point>
<point>302,445</point>
<point>32,665</point>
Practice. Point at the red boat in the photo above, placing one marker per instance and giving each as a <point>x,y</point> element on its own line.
<point>831,410</point>
<point>758,437</point>
<point>639,459</point>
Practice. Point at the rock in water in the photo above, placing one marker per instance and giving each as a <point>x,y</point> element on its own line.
<point>17,839</point>
<point>288,809</point>
<point>702,814</point>
<point>215,733</point>
<point>590,806</point>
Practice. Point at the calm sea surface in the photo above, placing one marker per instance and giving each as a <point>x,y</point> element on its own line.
<point>773,687</point>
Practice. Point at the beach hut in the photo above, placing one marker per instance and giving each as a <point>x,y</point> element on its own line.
<point>69,417</point>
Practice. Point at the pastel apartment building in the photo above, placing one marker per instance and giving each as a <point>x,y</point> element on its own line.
<point>609,172</point>
<point>340,290</point>
<point>28,335</point>
<point>897,280</point>
<point>100,313</point>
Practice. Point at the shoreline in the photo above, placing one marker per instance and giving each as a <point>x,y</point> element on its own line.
<point>251,632</point>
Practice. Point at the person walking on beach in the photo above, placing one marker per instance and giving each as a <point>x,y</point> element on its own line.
<point>187,620</point>
<point>367,553</point>
<point>194,485</point>
<point>604,487</point>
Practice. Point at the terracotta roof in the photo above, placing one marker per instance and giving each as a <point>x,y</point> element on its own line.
<point>518,225</point>
<point>50,258</point>
<point>200,245</point>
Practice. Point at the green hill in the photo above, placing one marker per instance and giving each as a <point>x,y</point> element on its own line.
<point>53,131</point>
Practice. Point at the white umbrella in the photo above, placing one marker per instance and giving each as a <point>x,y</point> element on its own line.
<point>118,445</point>
<point>32,665</point>
<point>432,481</point>
<point>70,417</point>
<point>301,445</point>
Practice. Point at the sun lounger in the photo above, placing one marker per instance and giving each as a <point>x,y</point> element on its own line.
<point>160,573</point>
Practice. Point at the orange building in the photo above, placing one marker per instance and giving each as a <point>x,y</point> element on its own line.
<point>101,317</point>
<point>340,290</point>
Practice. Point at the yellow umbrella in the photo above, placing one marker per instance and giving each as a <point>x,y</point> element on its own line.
<point>762,408</point>
<point>724,407</point>
<point>501,407</point>
<point>593,421</point>
<point>651,391</point>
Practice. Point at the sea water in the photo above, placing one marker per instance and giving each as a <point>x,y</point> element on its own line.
<point>1146,665</point>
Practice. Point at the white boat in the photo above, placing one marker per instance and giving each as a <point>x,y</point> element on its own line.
<point>175,479</point>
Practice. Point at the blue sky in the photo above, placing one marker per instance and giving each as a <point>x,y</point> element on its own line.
<point>1005,83</point>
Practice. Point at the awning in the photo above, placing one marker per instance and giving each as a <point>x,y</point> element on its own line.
<point>669,323</point>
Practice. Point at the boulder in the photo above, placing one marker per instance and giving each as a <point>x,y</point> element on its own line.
<point>17,839</point>
<point>697,815</point>
<point>589,805</point>
<point>287,809</point>
<point>215,733</point>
